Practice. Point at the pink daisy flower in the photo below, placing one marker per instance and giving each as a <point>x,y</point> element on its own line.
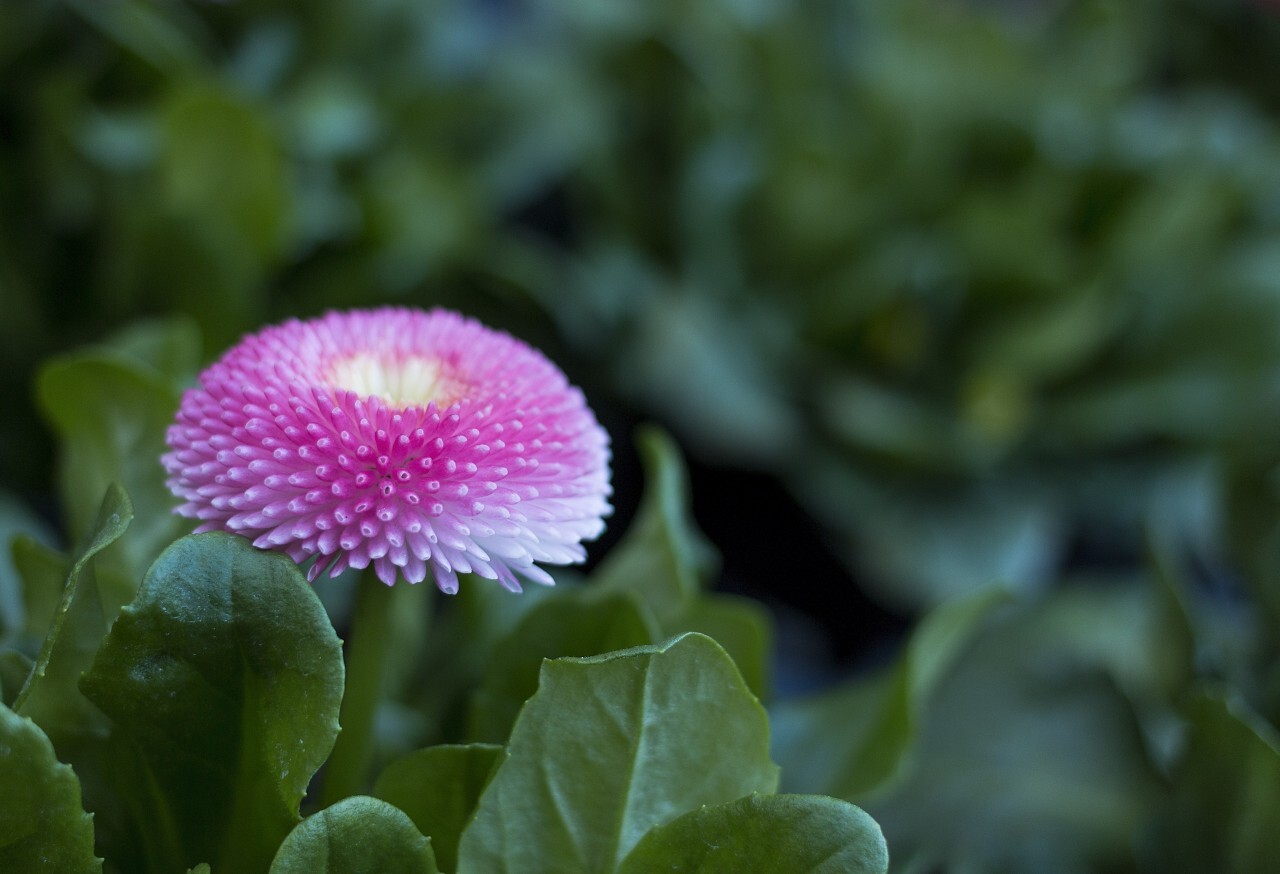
<point>394,437</point>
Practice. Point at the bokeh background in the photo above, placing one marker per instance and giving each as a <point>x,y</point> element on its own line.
<point>937,296</point>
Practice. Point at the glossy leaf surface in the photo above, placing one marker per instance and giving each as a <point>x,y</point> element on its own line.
<point>43,827</point>
<point>655,731</point>
<point>225,674</point>
<point>358,835</point>
<point>767,834</point>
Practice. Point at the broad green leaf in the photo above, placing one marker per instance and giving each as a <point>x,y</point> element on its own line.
<point>743,626</point>
<point>202,868</point>
<point>663,557</point>
<point>358,835</point>
<point>766,834</point>
<point>438,787</point>
<point>51,696</point>
<point>1027,752</point>
<point>110,415</point>
<point>43,826</point>
<point>223,674</point>
<point>852,740</point>
<point>613,745</point>
<point>1226,791</point>
<point>557,627</point>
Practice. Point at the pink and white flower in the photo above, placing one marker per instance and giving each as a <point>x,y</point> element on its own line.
<point>398,438</point>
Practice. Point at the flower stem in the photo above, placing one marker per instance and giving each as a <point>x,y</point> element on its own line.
<point>366,684</point>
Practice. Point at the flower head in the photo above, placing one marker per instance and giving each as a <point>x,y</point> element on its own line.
<point>398,438</point>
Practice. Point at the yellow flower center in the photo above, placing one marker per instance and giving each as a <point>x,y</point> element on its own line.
<point>400,381</point>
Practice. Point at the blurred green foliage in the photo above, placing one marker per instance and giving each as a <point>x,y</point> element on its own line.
<point>992,287</point>
<point>980,283</point>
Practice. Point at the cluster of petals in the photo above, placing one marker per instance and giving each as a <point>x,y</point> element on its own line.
<point>397,438</point>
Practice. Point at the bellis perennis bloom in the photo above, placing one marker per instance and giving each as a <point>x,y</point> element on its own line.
<point>399,438</point>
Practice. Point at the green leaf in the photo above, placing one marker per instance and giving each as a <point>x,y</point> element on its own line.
<point>1226,791</point>
<point>768,834</point>
<point>613,745</point>
<point>51,696</point>
<point>358,835</point>
<point>1027,752</point>
<point>743,626</point>
<point>438,787</point>
<point>202,868</point>
<point>43,826</point>
<point>110,415</point>
<point>223,679</point>
<point>663,557</point>
<point>853,739</point>
<point>568,625</point>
